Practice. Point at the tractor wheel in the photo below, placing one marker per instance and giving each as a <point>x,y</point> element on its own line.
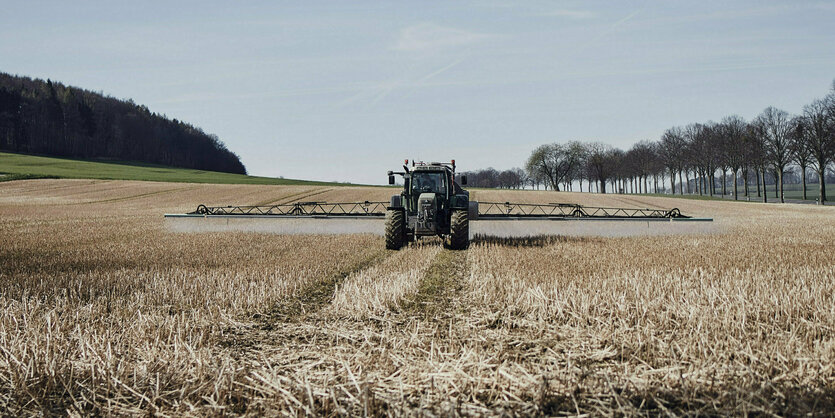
<point>459,231</point>
<point>395,229</point>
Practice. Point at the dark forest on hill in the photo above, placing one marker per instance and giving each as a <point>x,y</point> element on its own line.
<point>48,118</point>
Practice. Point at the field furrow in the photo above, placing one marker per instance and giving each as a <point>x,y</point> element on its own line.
<point>381,289</point>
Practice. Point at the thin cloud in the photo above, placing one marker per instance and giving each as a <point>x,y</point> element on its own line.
<point>827,7</point>
<point>570,14</point>
<point>733,14</point>
<point>429,36</point>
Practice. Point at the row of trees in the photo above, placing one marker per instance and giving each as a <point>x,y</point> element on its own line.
<point>44,117</point>
<point>697,158</point>
<point>514,178</point>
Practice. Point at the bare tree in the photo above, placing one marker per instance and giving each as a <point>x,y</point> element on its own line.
<point>602,161</point>
<point>655,166</point>
<point>488,177</point>
<point>672,152</point>
<point>577,153</point>
<point>507,179</point>
<point>522,177</point>
<point>775,130</point>
<point>554,162</point>
<point>818,125</point>
<point>734,149</point>
<point>748,156</point>
<point>699,154</point>
<point>626,171</point>
<point>801,154</point>
<point>539,165</point>
<point>713,148</point>
<point>758,157</point>
<point>640,162</point>
<point>723,162</point>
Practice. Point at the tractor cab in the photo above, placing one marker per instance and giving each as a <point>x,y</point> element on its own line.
<point>425,181</point>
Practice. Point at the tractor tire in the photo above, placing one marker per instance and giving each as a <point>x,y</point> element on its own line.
<point>395,229</point>
<point>459,231</point>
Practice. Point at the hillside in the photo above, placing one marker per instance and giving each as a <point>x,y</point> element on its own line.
<point>18,166</point>
<point>49,118</point>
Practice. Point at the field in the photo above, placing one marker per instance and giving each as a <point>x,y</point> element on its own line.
<point>104,311</point>
<point>17,166</point>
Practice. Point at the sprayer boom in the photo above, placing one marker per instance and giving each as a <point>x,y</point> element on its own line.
<point>486,211</point>
<point>431,203</point>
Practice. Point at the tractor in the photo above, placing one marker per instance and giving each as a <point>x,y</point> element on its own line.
<point>431,203</point>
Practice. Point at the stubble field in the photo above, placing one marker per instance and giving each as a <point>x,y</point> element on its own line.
<point>102,310</point>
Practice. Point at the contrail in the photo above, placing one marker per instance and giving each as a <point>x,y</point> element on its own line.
<point>611,28</point>
<point>433,75</point>
<point>386,88</point>
<point>385,92</point>
<point>441,70</point>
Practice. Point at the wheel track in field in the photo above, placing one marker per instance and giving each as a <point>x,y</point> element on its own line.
<point>294,197</point>
<point>131,197</point>
<point>301,339</point>
<point>264,328</point>
<point>319,294</point>
<point>435,299</point>
<point>442,282</point>
<point>67,185</point>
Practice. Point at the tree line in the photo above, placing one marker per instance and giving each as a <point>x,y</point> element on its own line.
<point>48,118</point>
<point>705,158</point>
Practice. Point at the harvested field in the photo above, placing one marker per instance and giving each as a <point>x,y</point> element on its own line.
<point>103,310</point>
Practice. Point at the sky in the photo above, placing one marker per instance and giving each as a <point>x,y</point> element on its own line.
<point>346,90</point>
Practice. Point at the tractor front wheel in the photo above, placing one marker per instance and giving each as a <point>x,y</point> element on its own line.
<point>459,231</point>
<point>395,229</point>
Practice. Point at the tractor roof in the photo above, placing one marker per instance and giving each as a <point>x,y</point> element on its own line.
<point>422,166</point>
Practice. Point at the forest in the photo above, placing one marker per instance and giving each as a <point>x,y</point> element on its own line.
<point>730,157</point>
<point>48,118</point>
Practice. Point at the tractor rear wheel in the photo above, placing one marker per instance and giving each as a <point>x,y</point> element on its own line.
<point>395,229</point>
<point>459,231</point>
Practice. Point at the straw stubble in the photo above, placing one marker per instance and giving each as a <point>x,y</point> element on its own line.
<point>105,311</point>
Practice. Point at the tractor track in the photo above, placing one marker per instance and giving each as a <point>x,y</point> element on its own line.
<point>435,300</point>
<point>294,197</point>
<point>249,336</point>
<point>274,200</point>
<point>64,186</point>
<point>315,296</point>
<point>319,294</point>
<point>138,196</point>
<point>308,344</point>
<point>442,282</point>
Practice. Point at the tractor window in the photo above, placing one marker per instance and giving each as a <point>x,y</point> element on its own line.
<point>428,182</point>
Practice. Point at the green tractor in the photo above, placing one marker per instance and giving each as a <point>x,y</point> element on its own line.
<point>432,203</point>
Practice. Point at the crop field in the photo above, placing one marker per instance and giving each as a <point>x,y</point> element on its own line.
<point>105,311</point>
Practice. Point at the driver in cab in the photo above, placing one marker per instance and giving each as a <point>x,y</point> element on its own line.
<point>428,184</point>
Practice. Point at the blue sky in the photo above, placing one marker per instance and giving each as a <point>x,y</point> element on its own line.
<point>346,90</point>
